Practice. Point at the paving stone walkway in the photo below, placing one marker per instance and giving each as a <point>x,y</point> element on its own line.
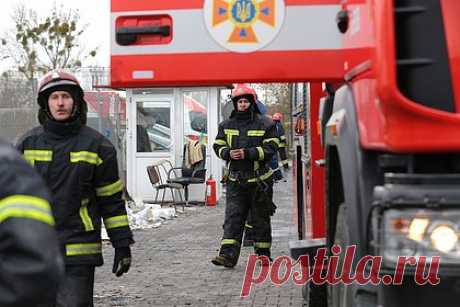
<point>171,264</point>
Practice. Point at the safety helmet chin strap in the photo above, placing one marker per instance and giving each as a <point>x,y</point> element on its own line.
<point>75,109</point>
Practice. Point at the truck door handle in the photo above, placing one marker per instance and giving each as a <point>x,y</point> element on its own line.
<point>128,35</point>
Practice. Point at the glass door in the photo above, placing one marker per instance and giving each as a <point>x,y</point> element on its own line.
<point>150,137</point>
<point>153,129</point>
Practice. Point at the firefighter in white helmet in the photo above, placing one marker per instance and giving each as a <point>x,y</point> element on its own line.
<point>80,168</point>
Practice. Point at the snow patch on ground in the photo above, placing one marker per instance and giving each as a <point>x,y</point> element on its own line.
<point>143,216</point>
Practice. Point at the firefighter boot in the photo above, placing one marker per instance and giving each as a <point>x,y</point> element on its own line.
<point>263,252</point>
<point>228,256</point>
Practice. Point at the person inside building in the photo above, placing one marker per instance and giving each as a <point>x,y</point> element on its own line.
<point>79,166</point>
<point>246,141</point>
<point>31,264</point>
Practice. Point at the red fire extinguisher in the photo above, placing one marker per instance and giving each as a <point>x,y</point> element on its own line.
<point>211,197</point>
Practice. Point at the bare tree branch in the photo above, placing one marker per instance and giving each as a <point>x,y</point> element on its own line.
<point>37,45</point>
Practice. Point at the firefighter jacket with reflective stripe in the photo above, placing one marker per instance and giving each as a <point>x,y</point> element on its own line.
<point>80,168</point>
<point>31,264</point>
<point>254,133</point>
<point>282,146</point>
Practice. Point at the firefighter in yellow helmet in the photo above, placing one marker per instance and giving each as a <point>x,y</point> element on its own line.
<point>79,166</point>
<point>246,141</point>
<point>31,264</point>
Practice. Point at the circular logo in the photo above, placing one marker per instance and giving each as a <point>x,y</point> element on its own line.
<point>244,25</point>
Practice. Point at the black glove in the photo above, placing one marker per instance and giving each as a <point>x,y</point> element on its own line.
<point>121,261</point>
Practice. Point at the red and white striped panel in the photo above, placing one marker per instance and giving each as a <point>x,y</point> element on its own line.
<point>218,42</point>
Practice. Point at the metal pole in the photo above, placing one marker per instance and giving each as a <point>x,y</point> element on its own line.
<point>99,104</point>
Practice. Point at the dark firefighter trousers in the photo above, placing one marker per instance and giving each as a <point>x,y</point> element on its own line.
<point>76,288</point>
<point>248,227</point>
<point>240,200</point>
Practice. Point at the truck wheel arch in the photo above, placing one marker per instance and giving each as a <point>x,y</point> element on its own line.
<point>350,171</point>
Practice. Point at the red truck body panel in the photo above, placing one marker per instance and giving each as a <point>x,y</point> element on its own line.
<point>204,48</point>
<point>291,41</point>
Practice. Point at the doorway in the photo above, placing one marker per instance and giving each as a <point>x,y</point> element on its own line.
<point>160,123</point>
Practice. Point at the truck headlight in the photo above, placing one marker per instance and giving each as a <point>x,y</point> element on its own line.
<point>421,232</point>
<point>444,237</point>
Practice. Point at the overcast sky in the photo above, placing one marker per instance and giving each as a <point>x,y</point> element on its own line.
<point>95,13</point>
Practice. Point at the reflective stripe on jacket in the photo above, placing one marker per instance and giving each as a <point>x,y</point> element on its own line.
<point>31,264</point>
<point>81,170</point>
<point>257,136</point>
<point>282,148</point>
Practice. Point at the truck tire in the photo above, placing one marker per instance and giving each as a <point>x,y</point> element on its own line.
<point>340,295</point>
<point>314,295</point>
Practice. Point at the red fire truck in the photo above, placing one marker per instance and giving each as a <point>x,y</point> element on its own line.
<point>376,99</point>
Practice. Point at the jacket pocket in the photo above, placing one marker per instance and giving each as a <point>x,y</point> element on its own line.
<point>86,162</point>
<point>85,174</point>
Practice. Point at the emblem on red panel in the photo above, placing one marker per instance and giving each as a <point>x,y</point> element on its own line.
<point>244,25</point>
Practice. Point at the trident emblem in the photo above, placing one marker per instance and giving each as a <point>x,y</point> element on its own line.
<point>243,11</point>
<point>251,21</point>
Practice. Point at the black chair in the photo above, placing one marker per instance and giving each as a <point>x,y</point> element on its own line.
<point>154,172</point>
<point>195,174</point>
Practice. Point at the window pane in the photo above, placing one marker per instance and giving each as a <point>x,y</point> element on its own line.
<point>300,93</point>
<point>226,104</point>
<point>195,116</point>
<point>153,127</point>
